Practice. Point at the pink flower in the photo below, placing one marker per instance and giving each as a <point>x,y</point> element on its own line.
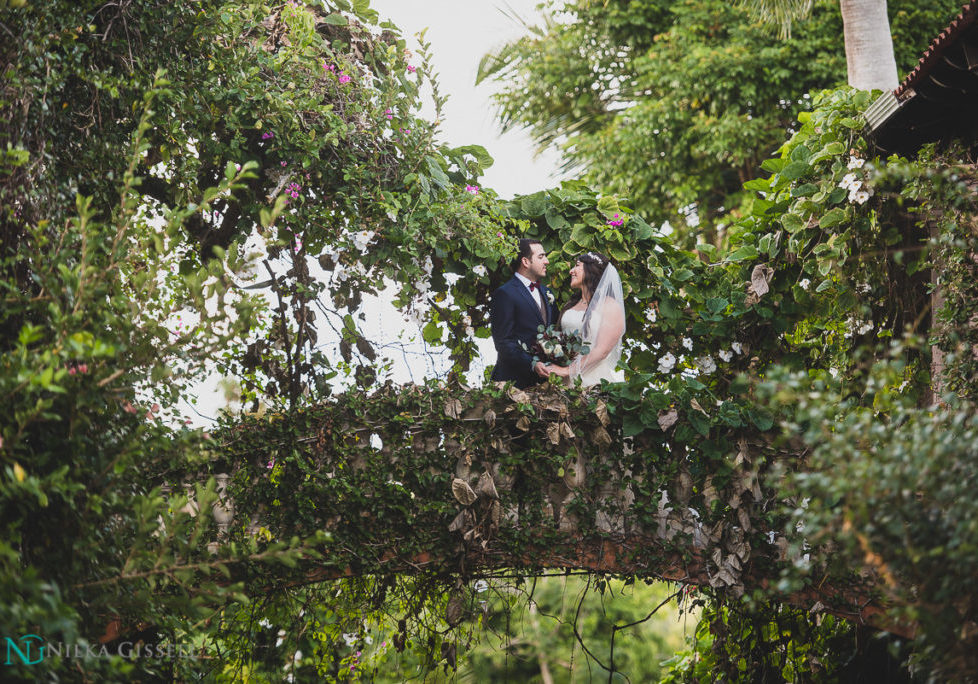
<point>616,221</point>
<point>474,189</point>
<point>328,67</point>
<point>412,69</point>
<point>156,408</point>
<point>270,464</point>
<point>388,114</point>
<point>72,371</point>
<point>83,368</point>
<point>285,163</point>
<point>267,135</point>
<point>344,78</point>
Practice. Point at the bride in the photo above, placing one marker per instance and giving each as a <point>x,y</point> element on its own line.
<point>597,312</point>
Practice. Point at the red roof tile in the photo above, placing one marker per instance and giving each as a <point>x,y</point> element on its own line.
<point>937,47</point>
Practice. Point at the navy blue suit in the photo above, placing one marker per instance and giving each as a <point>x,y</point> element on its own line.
<point>514,318</point>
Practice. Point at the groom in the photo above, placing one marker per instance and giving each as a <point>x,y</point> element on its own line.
<point>518,308</point>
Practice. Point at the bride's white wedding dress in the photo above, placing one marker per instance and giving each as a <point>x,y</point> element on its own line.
<point>573,321</point>
<point>602,326</point>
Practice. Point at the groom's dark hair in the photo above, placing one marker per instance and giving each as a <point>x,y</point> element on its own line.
<point>524,249</point>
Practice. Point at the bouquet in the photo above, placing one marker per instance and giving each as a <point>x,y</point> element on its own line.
<point>556,346</point>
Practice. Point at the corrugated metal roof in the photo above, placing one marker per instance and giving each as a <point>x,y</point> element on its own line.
<point>938,100</point>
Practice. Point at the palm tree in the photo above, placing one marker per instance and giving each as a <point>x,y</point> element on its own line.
<point>870,61</point>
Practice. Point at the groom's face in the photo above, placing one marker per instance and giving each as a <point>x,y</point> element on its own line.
<point>536,264</point>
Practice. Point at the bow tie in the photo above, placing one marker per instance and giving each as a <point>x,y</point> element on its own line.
<point>534,286</point>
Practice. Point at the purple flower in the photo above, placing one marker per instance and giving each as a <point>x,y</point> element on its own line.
<point>267,135</point>
<point>411,68</point>
<point>474,189</point>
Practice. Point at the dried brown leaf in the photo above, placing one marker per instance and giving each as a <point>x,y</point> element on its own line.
<point>667,418</point>
<point>463,492</point>
<point>601,411</point>
<point>486,487</point>
<point>453,408</point>
<point>553,433</point>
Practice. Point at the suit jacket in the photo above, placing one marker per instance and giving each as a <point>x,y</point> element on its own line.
<point>514,317</point>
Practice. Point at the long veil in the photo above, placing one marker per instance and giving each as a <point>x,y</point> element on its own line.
<point>604,325</point>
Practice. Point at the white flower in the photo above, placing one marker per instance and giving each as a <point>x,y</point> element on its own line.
<point>804,283</point>
<point>280,637</point>
<point>725,355</point>
<point>706,364</point>
<point>550,296</point>
<point>864,288</point>
<point>667,362</point>
<point>855,163</point>
<point>362,238</point>
<point>480,270</point>
<point>480,586</point>
<point>369,639</point>
<point>469,331</point>
<point>864,327</point>
<point>688,343</point>
<point>428,265</point>
<point>651,315</point>
<point>558,351</point>
<point>350,638</point>
<point>859,197</point>
<point>264,623</point>
<point>737,347</point>
<point>850,182</point>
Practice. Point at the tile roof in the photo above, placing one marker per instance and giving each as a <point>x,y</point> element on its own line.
<point>938,47</point>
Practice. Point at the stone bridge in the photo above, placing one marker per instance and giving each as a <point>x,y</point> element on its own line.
<point>457,483</point>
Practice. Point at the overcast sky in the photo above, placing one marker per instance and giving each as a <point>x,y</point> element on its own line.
<point>460,33</point>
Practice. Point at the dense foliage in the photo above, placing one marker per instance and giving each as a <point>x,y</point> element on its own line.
<point>217,184</point>
<point>675,104</point>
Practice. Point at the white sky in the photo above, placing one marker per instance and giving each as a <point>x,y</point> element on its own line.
<point>459,32</point>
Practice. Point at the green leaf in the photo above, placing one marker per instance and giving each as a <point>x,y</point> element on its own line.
<point>745,252</point>
<point>437,173</point>
<point>336,19</point>
<point>431,333</point>
<point>792,222</point>
<point>759,184</point>
<point>794,170</point>
<point>534,205</point>
<point>832,218</point>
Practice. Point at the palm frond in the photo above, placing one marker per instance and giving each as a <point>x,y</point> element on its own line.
<point>779,12</point>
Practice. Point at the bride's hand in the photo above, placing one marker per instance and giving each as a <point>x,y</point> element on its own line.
<point>559,371</point>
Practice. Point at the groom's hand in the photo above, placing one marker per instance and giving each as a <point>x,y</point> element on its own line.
<point>541,369</point>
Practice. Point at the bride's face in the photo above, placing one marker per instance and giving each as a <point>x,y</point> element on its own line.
<point>577,276</point>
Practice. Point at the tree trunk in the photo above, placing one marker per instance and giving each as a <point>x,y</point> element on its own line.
<point>869,45</point>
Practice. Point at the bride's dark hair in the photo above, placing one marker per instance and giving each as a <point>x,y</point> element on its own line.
<point>594,265</point>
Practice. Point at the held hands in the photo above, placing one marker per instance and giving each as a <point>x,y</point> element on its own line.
<point>559,371</point>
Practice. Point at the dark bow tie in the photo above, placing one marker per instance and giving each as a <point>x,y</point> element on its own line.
<point>534,286</point>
